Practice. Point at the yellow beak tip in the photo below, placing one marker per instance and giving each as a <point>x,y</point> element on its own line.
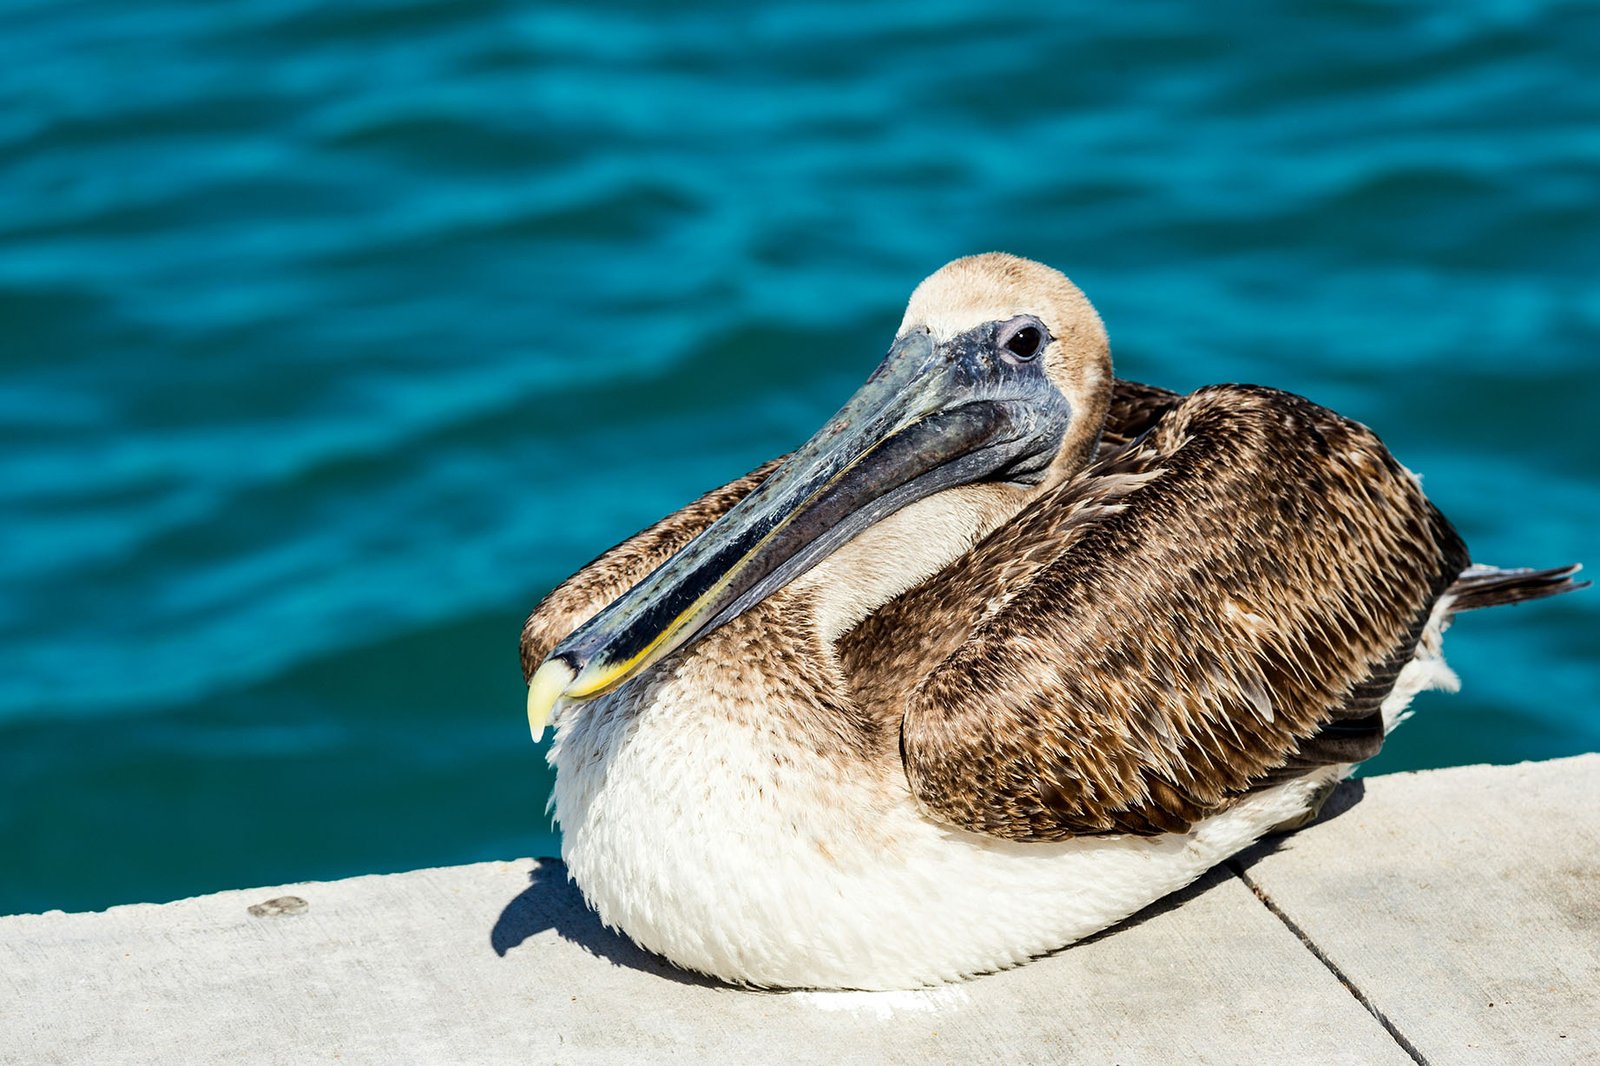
<point>546,687</point>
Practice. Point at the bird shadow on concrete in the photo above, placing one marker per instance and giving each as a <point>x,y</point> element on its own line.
<point>553,903</point>
<point>1346,796</point>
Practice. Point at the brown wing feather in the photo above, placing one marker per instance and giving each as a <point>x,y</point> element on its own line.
<point>1134,407</point>
<point>1138,649</point>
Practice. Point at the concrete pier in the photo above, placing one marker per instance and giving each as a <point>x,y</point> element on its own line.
<point>1442,917</point>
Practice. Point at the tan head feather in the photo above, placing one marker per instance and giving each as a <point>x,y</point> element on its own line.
<point>995,287</point>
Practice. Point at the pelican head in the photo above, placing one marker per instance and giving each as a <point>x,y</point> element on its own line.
<point>1000,373</point>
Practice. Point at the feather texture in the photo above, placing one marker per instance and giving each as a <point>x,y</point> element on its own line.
<point>1143,646</point>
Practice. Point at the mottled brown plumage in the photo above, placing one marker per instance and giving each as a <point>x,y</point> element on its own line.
<point>1107,673</point>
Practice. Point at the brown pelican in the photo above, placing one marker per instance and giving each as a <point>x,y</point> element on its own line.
<point>1008,650</point>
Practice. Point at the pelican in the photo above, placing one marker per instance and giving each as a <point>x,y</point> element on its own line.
<point>1008,650</point>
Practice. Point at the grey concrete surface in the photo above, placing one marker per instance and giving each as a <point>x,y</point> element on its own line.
<point>1379,935</point>
<point>1464,905</point>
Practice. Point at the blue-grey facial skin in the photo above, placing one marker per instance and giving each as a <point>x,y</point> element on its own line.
<point>932,416</point>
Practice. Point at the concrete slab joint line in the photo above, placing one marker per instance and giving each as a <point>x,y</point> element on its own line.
<point>1442,917</point>
<point>1311,946</point>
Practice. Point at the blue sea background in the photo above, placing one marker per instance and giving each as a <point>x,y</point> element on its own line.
<point>333,335</point>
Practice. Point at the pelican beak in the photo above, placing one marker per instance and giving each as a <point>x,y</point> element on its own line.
<point>933,416</point>
<point>544,689</point>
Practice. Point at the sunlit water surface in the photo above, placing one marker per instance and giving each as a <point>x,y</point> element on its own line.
<point>334,335</point>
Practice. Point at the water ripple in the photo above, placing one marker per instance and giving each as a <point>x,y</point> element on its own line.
<point>331,333</point>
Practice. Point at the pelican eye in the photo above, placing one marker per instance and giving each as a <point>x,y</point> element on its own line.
<point>1023,338</point>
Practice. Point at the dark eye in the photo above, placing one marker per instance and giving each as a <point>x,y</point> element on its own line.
<point>1025,342</point>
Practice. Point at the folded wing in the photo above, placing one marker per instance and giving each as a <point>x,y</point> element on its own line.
<point>1218,604</point>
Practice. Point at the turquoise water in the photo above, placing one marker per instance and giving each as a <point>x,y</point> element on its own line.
<point>334,335</point>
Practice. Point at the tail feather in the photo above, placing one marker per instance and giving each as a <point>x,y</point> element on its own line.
<point>1490,586</point>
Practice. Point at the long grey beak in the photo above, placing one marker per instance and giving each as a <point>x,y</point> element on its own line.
<point>931,417</point>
